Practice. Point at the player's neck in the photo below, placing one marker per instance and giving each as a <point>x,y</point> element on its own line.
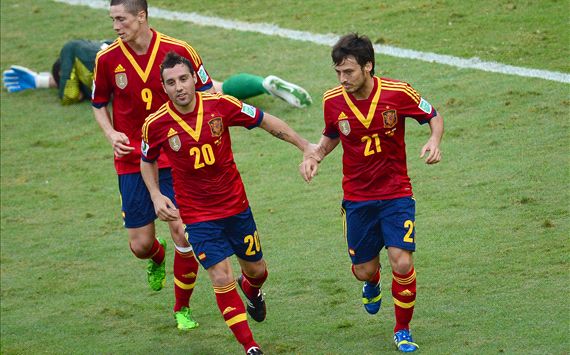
<point>365,90</point>
<point>141,43</point>
<point>186,108</point>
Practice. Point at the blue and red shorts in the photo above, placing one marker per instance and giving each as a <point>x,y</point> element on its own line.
<point>371,225</point>
<point>136,204</point>
<point>214,241</point>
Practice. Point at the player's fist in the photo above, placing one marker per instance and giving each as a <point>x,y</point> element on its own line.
<point>19,78</point>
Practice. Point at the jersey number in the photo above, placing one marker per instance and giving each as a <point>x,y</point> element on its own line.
<point>146,96</point>
<point>254,246</point>
<point>370,148</point>
<point>204,156</point>
<point>409,225</point>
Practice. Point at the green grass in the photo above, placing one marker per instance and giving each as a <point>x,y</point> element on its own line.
<point>492,221</point>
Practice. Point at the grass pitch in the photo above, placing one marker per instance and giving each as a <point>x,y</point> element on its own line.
<point>492,221</point>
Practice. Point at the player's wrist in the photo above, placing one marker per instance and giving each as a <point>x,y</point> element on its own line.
<point>42,80</point>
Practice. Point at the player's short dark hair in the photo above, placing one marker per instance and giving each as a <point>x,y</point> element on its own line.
<point>133,7</point>
<point>55,70</point>
<point>360,47</point>
<point>172,59</point>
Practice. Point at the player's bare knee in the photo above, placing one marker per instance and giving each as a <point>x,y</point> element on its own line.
<point>255,269</point>
<point>363,272</point>
<point>140,250</point>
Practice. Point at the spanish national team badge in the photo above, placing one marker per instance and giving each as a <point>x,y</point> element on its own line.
<point>174,142</point>
<point>121,80</point>
<point>344,127</point>
<point>390,118</point>
<point>216,126</point>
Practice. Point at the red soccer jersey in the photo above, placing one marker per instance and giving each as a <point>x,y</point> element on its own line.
<point>133,83</point>
<point>372,135</point>
<point>207,184</point>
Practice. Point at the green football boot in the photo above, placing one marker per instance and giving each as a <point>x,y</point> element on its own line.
<point>156,274</point>
<point>184,319</point>
<point>293,94</point>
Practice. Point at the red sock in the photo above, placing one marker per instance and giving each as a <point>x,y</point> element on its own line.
<point>156,252</point>
<point>185,272</point>
<point>251,286</point>
<point>404,294</point>
<point>233,311</point>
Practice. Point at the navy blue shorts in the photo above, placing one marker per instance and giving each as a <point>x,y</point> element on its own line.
<point>136,204</point>
<point>214,241</point>
<point>371,225</point>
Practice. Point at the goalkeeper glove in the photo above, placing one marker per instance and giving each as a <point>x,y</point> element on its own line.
<point>19,78</point>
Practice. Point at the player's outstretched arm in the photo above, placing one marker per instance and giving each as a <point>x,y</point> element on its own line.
<point>19,78</point>
<point>310,165</point>
<point>432,145</point>
<point>281,130</point>
<point>163,206</point>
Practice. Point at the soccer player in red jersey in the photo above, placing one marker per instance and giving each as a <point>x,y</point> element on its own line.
<point>127,73</point>
<point>366,114</point>
<point>192,129</point>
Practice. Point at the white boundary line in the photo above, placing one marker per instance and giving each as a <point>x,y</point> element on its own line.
<point>330,39</point>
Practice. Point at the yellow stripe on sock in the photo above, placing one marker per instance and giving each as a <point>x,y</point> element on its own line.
<point>183,285</point>
<point>403,304</point>
<point>236,319</point>
<point>405,281</point>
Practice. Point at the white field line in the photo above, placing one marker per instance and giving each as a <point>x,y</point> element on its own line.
<point>330,39</point>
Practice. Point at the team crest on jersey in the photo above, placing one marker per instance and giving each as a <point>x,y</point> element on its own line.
<point>216,126</point>
<point>344,127</point>
<point>390,118</point>
<point>174,142</point>
<point>121,80</point>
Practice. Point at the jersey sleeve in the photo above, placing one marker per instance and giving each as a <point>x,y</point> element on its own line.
<point>330,129</point>
<point>150,146</point>
<point>102,88</point>
<point>237,113</point>
<point>414,105</point>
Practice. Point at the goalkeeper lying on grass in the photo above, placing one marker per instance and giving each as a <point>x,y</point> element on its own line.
<point>72,74</point>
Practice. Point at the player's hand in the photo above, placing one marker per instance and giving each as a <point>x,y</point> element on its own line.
<point>19,78</point>
<point>120,143</point>
<point>308,168</point>
<point>434,155</point>
<point>165,209</point>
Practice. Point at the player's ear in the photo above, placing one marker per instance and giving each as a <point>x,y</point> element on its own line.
<point>368,67</point>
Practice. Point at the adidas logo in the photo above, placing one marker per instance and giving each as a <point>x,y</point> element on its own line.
<point>228,310</point>
<point>406,292</point>
<point>171,132</point>
<point>342,116</point>
<point>119,69</point>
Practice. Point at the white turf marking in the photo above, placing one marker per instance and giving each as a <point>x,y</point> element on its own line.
<point>330,39</point>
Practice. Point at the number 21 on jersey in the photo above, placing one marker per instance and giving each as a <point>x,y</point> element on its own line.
<point>372,144</point>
